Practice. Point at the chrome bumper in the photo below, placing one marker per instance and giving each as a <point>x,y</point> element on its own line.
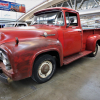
<point>4,78</point>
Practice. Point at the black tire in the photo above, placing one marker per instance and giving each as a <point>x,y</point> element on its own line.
<point>43,65</point>
<point>93,54</point>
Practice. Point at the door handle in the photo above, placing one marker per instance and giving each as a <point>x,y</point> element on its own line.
<point>80,31</point>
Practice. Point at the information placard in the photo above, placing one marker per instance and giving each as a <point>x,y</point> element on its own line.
<point>11,6</point>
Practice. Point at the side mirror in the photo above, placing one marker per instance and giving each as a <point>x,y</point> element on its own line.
<point>71,20</point>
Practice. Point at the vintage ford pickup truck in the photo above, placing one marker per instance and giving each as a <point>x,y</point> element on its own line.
<point>55,39</point>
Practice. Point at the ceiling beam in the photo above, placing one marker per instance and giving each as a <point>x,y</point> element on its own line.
<point>90,11</point>
<point>68,4</point>
<point>62,4</point>
<point>74,4</point>
<point>80,4</point>
<point>87,4</point>
<point>93,5</point>
<point>71,4</point>
<point>96,2</point>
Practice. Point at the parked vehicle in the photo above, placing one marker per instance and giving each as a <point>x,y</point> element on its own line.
<point>16,24</point>
<point>2,25</point>
<point>56,37</point>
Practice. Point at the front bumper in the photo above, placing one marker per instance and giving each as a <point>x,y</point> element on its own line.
<point>3,77</point>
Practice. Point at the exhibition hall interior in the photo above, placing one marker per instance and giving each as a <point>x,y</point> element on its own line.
<point>49,50</point>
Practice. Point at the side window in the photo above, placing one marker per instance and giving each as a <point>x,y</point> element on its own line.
<point>71,19</point>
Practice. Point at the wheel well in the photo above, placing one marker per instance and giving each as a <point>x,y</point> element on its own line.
<point>98,42</point>
<point>55,54</point>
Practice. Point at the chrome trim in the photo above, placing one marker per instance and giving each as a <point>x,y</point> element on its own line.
<point>48,35</point>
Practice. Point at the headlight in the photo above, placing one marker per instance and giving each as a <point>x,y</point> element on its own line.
<point>5,60</point>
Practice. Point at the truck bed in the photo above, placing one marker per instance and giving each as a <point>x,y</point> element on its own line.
<point>88,32</point>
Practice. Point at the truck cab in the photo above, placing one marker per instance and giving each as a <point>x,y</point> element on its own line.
<point>72,33</point>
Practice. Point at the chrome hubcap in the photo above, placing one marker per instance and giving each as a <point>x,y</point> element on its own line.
<point>45,69</point>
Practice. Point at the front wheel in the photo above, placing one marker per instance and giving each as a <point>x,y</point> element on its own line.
<point>93,54</point>
<point>44,68</point>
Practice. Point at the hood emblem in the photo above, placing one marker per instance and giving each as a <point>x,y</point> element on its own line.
<point>45,34</point>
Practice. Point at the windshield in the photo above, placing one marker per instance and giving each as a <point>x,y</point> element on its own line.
<point>54,18</point>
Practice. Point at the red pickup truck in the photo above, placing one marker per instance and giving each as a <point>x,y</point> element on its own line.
<point>55,38</point>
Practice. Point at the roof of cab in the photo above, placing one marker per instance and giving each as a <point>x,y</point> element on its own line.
<point>55,8</point>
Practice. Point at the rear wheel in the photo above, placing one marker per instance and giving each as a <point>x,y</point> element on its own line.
<point>44,68</point>
<point>93,54</point>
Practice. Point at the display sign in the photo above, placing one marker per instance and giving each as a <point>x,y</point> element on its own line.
<point>11,6</point>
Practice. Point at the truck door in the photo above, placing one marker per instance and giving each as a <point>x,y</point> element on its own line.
<point>72,34</point>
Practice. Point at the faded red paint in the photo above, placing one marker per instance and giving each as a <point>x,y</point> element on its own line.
<point>32,43</point>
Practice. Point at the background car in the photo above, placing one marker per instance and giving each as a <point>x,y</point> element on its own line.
<point>16,24</point>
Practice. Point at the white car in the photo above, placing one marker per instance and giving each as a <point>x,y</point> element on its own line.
<point>16,24</point>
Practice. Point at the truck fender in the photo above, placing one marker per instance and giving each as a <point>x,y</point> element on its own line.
<point>91,42</point>
<point>46,51</point>
<point>27,51</point>
<point>57,48</point>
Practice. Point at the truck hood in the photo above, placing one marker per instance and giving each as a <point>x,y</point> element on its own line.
<point>24,33</point>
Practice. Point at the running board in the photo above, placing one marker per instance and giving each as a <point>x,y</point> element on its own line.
<point>74,57</point>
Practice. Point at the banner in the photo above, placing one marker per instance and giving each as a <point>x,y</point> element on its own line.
<point>11,6</point>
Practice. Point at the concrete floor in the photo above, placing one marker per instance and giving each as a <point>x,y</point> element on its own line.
<point>79,80</point>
